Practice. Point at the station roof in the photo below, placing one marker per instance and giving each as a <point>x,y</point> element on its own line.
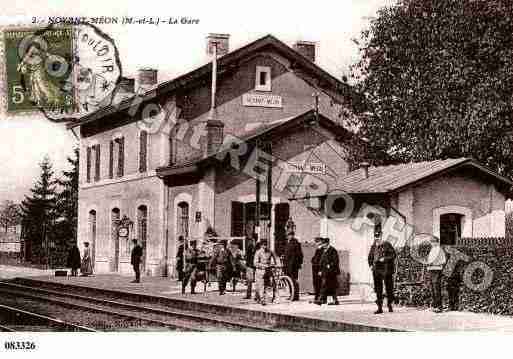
<point>394,178</point>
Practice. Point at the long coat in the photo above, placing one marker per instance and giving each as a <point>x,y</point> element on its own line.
<point>385,251</point>
<point>74,258</point>
<point>137,253</point>
<point>293,258</point>
<point>329,266</point>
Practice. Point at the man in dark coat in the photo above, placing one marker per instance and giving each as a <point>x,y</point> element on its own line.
<point>191,266</point>
<point>74,260</point>
<point>135,260</point>
<point>329,270</point>
<point>382,262</point>
<point>179,258</point>
<point>293,261</point>
<point>250,265</point>
<point>316,268</point>
<point>221,262</point>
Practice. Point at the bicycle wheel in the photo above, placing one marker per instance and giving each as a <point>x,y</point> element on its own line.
<point>285,288</point>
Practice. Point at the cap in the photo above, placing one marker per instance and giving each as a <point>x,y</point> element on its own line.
<point>325,240</point>
<point>318,239</point>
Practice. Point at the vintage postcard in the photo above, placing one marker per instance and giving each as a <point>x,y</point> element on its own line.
<point>204,168</point>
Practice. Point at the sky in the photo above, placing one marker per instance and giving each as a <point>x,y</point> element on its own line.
<point>173,50</point>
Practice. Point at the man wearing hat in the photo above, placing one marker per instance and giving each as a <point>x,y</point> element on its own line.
<point>191,265</point>
<point>316,268</point>
<point>293,261</point>
<point>264,262</point>
<point>179,258</point>
<point>135,260</point>
<point>221,261</point>
<point>382,262</point>
<point>329,270</point>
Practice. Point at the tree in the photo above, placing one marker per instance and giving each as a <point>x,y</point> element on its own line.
<point>10,214</point>
<point>39,214</point>
<point>67,209</point>
<point>436,76</point>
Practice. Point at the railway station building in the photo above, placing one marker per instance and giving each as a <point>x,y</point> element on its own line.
<point>271,133</point>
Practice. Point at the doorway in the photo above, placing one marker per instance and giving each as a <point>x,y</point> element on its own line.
<point>243,222</point>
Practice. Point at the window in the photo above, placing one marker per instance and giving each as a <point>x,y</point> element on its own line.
<point>88,159</point>
<point>450,228</point>
<point>143,151</point>
<point>263,78</point>
<point>111,159</point>
<point>183,219</point>
<point>97,157</point>
<point>121,155</point>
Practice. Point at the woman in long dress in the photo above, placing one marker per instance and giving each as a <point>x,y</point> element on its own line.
<point>87,265</point>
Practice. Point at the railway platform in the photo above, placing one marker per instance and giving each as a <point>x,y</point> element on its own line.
<point>351,315</point>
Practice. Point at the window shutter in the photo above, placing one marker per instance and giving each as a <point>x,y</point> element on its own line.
<point>143,149</point>
<point>237,219</point>
<point>88,159</point>
<point>111,159</point>
<point>97,163</point>
<point>121,156</point>
<point>171,150</point>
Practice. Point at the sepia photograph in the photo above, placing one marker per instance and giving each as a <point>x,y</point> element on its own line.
<point>267,167</point>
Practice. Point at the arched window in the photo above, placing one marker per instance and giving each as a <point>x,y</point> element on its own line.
<point>183,219</point>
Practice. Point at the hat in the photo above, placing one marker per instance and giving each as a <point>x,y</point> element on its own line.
<point>325,240</point>
<point>318,239</point>
<point>291,232</point>
<point>193,241</point>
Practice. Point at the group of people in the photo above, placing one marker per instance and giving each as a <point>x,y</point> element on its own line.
<point>75,262</point>
<point>382,260</point>
<point>259,264</point>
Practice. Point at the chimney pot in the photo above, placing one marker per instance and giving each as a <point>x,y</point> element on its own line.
<point>307,49</point>
<point>126,89</point>
<point>365,167</point>
<point>222,41</point>
<point>147,78</point>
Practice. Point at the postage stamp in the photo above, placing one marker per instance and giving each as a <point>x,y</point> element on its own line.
<point>66,72</point>
<point>36,61</point>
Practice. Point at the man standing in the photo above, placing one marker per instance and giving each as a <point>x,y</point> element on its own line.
<point>329,270</point>
<point>264,263</point>
<point>221,261</point>
<point>316,268</point>
<point>179,258</point>
<point>191,265</point>
<point>293,261</point>
<point>382,262</point>
<point>435,266</point>
<point>250,266</point>
<point>135,260</point>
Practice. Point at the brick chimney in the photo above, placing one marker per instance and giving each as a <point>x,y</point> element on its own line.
<point>215,133</point>
<point>222,41</point>
<point>147,79</point>
<point>365,168</point>
<point>125,89</point>
<point>306,48</point>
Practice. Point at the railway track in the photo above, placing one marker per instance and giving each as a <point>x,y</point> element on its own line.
<point>142,317</point>
<point>16,320</point>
